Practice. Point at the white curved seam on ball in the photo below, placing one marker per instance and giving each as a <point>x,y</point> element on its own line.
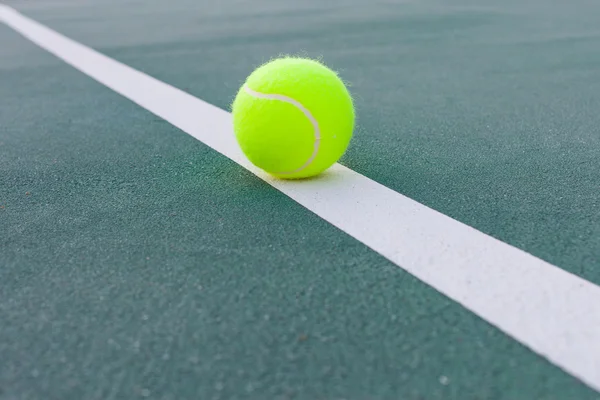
<point>306,113</point>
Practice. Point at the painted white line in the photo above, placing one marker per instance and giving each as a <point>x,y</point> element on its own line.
<point>554,313</point>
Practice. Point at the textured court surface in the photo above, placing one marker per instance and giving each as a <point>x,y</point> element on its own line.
<point>135,262</point>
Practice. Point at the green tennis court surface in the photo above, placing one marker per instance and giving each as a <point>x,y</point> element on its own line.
<point>139,259</point>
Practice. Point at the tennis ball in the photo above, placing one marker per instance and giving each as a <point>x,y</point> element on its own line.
<point>293,117</point>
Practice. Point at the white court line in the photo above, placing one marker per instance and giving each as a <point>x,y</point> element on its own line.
<point>551,311</point>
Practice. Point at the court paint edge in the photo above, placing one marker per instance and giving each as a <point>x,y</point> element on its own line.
<point>547,309</point>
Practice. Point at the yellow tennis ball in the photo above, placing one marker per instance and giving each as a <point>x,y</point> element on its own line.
<point>293,117</point>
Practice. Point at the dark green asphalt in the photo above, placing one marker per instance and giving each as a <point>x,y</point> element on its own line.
<point>136,262</point>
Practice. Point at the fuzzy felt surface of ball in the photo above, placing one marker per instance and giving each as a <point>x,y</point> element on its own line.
<point>293,117</point>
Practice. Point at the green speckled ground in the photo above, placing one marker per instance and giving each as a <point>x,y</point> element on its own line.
<point>136,262</point>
